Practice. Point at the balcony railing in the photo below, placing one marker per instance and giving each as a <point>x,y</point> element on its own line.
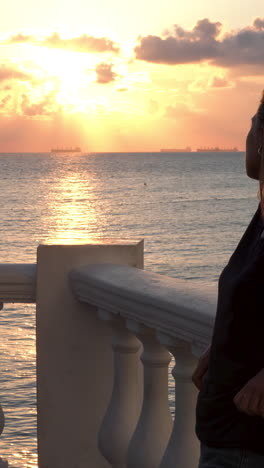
<point>106,330</point>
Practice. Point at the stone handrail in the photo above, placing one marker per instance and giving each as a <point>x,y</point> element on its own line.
<point>172,306</point>
<point>106,331</point>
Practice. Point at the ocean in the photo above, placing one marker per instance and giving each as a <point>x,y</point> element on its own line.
<point>191,209</point>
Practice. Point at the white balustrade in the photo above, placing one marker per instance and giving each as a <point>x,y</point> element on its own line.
<point>94,309</point>
<point>165,314</point>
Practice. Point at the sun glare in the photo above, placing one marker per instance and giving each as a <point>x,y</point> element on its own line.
<point>69,71</point>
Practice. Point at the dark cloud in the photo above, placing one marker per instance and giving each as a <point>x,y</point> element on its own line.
<point>105,73</point>
<point>173,50</point>
<point>244,47</point>
<point>10,72</point>
<point>81,44</point>
<point>237,48</point>
<point>204,30</point>
<point>181,46</point>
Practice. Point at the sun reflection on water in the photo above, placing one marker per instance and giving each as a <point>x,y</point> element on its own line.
<point>72,214</point>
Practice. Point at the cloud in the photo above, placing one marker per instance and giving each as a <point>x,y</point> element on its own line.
<point>221,82</point>
<point>181,46</point>
<point>244,47</point>
<point>203,85</point>
<point>105,73</point>
<point>204,43</point>
<point>4,102</point>
<point>258,23</point>
<point>83,43</point>
<point>199,86</point>
<point>11,72</point>
<point>19,38</point>
<point>46,106</point>
<point>203,30</point>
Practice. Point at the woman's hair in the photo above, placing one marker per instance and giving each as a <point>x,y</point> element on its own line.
<point>260,135</point>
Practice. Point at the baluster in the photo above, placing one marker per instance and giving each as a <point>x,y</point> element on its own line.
<point>123,412</point>
<point>183,447</point>
<point>154,427</point>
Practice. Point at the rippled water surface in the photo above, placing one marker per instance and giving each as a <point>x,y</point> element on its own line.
<point>191,209</point>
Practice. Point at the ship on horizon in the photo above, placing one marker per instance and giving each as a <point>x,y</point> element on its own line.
<point>188,149</point>
<point>216,149</point>
<point>75,149</point>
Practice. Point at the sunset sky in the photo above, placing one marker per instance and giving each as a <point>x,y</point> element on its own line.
<point>129,76</point>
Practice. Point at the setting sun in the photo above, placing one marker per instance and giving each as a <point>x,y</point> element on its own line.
<point>68,72</point>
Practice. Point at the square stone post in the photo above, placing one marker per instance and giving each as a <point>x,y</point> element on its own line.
<point>74,357</point>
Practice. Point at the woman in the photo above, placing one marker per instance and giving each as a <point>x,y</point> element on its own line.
<point>230,375</point>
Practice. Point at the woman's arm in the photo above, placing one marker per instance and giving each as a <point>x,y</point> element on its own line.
<point>253,152</point>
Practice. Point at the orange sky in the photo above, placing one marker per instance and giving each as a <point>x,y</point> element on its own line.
<point>110,78</point>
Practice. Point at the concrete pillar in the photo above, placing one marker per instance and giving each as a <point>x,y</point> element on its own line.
<point>74,358</point>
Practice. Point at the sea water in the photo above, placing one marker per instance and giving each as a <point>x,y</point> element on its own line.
<point>191,209</point>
